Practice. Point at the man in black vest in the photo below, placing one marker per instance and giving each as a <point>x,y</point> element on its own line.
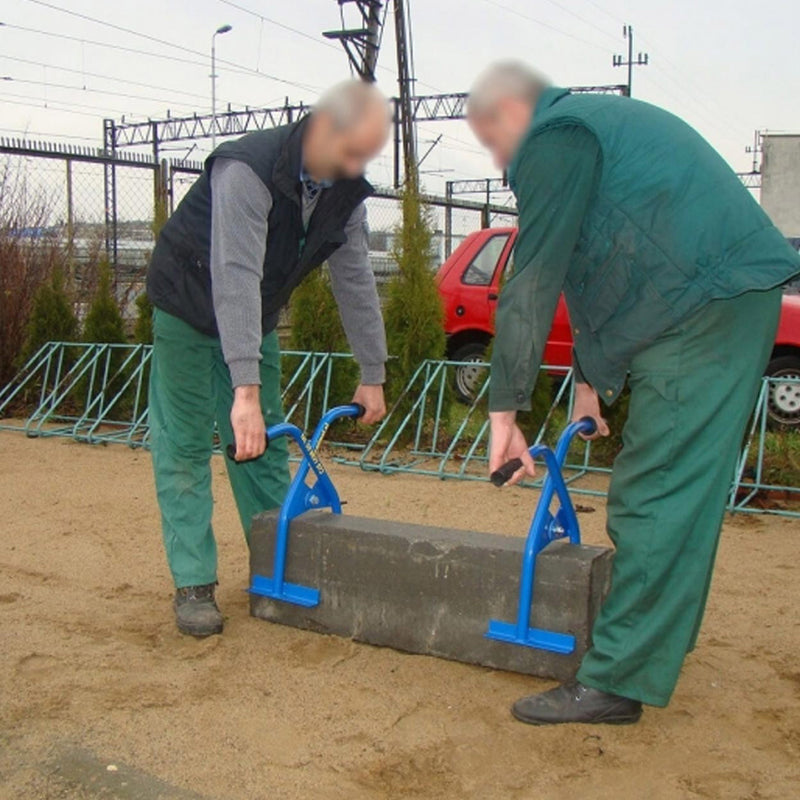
<point>268,209</point>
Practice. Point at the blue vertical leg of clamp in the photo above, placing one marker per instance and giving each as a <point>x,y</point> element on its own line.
<point>545,528</point>
<point>301,498</point>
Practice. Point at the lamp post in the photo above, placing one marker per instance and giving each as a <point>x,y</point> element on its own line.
<point>220,30</point>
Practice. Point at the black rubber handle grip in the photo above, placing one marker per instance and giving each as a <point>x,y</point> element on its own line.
<point>230,451</point>
<point>361,410</point>
<point>504,474</point>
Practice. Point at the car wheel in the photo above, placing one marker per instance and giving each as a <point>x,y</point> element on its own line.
<point>784,395</point>
<point>472,373</point>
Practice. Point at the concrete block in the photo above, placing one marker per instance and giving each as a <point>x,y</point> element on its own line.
<point>431,590</point>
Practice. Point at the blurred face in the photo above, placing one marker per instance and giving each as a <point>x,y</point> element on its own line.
<point>331,152</point>
<point>500,128</point>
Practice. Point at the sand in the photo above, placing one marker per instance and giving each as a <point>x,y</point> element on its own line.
<point>100,697</point>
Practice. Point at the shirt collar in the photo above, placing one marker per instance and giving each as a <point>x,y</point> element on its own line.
<point>308,181</point>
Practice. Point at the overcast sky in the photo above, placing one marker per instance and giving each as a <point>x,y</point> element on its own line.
<point>726,66</point>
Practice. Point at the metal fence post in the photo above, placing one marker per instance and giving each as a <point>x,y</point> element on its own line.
<point>396,144</point>
<point>110,185</point>
<point>448,219</point>
<point>171,187</point>
<point>485,219</point>
<point>161,193</point>
<point>70,206</point>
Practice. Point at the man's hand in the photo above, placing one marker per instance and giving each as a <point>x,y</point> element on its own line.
<point>248,422</point>
<point>508,442</point>
<point>371,397</point>
<point>587,404</point>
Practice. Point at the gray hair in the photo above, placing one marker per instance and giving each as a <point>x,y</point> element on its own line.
<point>348,101</point>
<point>504,79</point>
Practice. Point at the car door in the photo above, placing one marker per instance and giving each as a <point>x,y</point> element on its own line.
<point>483,276</point>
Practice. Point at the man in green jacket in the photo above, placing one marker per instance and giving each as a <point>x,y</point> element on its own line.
<point>672,275</point>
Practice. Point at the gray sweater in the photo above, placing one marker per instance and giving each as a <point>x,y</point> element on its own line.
<point>240,207</point>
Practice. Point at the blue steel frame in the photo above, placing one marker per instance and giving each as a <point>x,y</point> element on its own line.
<point>301,498</point>
<point>545,528</point>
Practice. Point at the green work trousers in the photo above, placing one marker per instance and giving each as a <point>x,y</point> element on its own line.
<point>692,393</point>
<point>190,390</point>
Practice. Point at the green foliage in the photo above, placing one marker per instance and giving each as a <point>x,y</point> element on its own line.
<point>26,262</point>
<point>781,458</point>
<point>104,325</point>
<point>143,334</point>
<point>143,330</point>
<point>316,324</point>
<point>52,318</point>
<point>104,321</point>
<point>413,313</point>
<point>317,327</point>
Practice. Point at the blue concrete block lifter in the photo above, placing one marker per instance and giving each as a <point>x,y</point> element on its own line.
<point>300,498</point>
<point>545,528</point>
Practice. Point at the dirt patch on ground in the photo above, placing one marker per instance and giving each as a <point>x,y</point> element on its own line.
<point>94,675</point>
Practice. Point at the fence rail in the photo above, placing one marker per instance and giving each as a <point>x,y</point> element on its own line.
<point>97,393</point>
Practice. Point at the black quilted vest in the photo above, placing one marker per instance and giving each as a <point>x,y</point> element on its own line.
<point>179,277</point>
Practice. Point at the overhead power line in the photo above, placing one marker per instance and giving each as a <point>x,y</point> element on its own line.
<point>122,48</point>
<point>604,11</point>
<point>107,77</point>
<point>543,24</point>
<point>166,43</point>
<point>685,80</point>
<point>135,50</point>
<point>706,116</point>
<point>28,133</point>
<point>283,25</point>
<point>583,19</point>
<point>61,107</point>
<point>64,86</point>
<point>466,147</point>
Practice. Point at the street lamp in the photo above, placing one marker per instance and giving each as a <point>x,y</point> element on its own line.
<point>221,29</point>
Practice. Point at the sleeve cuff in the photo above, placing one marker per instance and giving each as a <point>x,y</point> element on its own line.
<point>509,400</point>
<point>577,372</point>
<point>245,372</point>
<point>373,374</point>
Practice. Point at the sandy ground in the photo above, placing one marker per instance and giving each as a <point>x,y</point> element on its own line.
<point>93,672</point>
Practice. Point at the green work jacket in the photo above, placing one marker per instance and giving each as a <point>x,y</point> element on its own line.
<point>638,220</point>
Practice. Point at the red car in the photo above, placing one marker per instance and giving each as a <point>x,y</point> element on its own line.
<point>469,285</point>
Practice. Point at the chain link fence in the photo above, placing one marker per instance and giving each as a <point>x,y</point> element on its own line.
<point>93,205</point>
<point>101,204</point>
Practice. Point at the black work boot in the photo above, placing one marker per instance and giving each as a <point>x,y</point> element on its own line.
<point>574,702</point>
<point>196,610</point>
